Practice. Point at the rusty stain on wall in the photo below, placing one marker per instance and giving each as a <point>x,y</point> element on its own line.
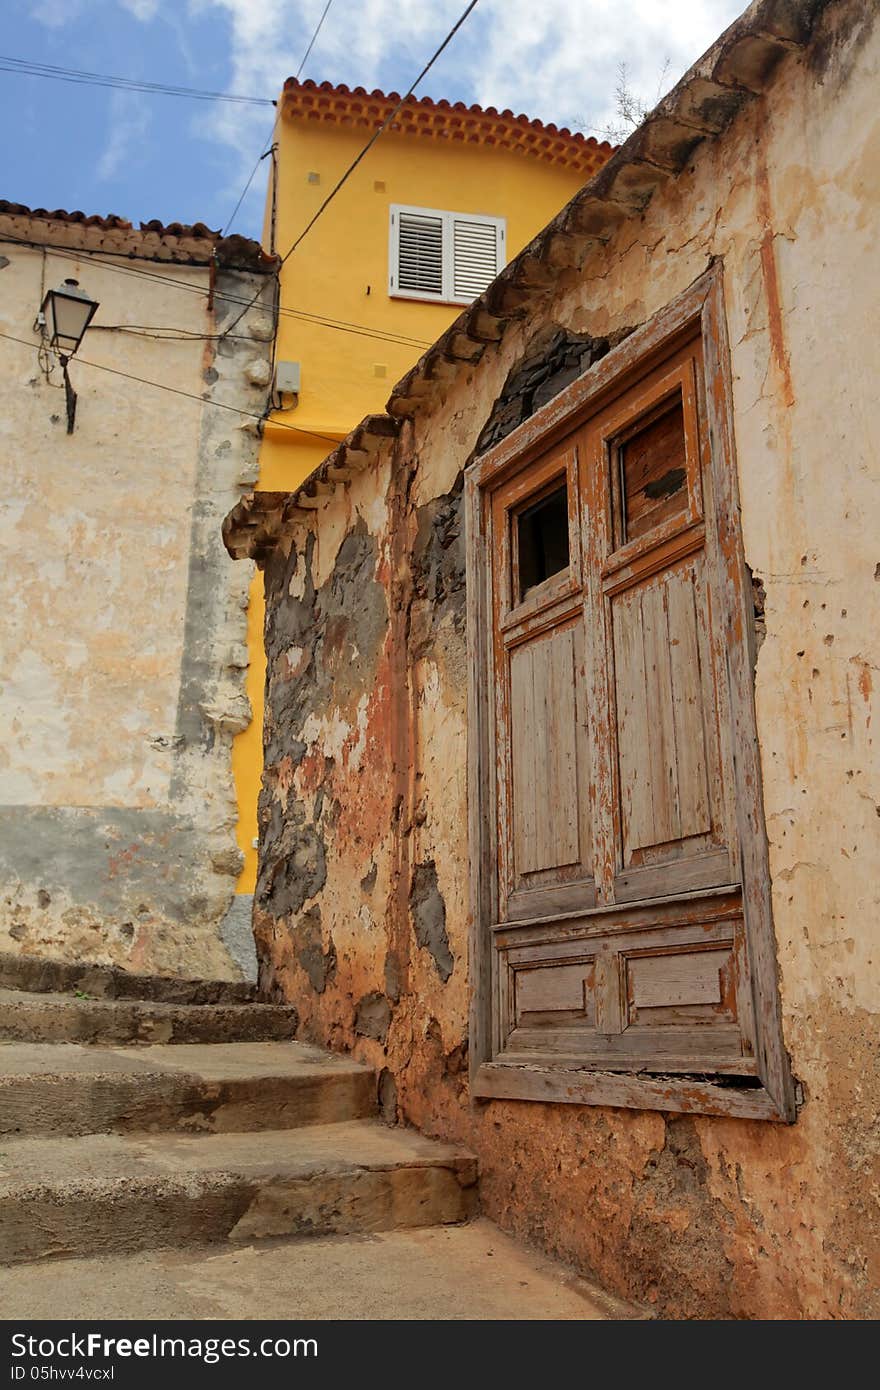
<point>123,665</point>
<point>697,1216</point>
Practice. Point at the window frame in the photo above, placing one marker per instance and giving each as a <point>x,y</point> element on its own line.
<point>700,308</point>
<point>448,219</point>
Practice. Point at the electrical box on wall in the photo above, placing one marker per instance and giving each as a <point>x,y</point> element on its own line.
<point>287,378</point>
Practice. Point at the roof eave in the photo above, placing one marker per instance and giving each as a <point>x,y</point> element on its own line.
<point>176,243</point>
<point>739,66</point>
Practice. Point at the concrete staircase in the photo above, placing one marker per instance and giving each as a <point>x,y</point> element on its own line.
<point>180,1118</point>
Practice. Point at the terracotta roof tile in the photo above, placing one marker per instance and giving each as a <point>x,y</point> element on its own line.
<point>740,64</point>
<point>443,120</point>
<point>172,241</point>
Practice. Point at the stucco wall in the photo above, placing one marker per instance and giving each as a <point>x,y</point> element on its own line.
<point>346,374</point>
<point>362,899</point>
<point>121,678</point>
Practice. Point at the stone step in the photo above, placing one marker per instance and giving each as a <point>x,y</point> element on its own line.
<point>472,1272</point>
<point>68,1089</point>
<point>109,1194</point>
<point>73,1018</point>
<point>37,976</point>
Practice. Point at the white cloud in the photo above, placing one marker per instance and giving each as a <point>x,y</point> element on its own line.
<point>129,122</point>
<point>54,14</point>
<point>144,10</point>
<point>550,58</point>
<point>555,59</point>
<point>558,59</point>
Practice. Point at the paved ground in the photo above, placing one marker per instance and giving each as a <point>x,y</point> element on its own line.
<point>454,1272</point>
<point>163,1154</point>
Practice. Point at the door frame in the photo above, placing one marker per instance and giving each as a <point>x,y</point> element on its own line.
<point>771,1096</point>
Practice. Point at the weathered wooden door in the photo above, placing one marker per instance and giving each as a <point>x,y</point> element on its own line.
<point>618,939</point>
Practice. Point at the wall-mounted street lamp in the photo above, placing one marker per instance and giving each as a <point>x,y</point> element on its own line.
<point>66,314</point>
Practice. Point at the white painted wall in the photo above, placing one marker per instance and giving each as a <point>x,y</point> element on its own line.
<point>121,663</point>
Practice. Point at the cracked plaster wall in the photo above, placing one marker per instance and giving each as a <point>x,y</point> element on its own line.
<point>122,672</point>
<point>362,909</point>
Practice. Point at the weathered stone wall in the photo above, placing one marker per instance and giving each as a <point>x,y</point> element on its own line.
<point>121,677</point>
<point>362,905</point>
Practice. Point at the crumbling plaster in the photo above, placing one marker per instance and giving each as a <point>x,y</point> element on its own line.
<point>122,675</point>
<point>367,737</point>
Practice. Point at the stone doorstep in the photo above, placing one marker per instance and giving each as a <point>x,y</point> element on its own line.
<point>38,976</point>
<point>67,1089</point>
<point>55,1018</point>
<point>110,1194</point>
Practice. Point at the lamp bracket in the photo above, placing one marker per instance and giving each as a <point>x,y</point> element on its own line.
<point>69,393</point>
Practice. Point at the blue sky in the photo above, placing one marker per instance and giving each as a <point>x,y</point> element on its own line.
<point>147,156</point>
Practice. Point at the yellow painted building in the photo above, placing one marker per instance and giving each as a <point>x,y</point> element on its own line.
<point>446,196</point>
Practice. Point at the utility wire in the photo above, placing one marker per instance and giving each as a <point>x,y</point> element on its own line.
<point>244,191</point>
<point>375,136</point>
<point>99,79</point>
<point>248,304</point>
<point>367,147</point>
<point>162,333</point>
<point>67,253</point>
<point>323,321</point>
<point>176,391</point>
<point>25,67</point>
<point>268,149</point>
<point>312,40</point>
<point>175,334</point>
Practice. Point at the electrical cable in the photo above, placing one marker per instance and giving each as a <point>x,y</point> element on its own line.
<point>244,191</point>
<point>368,146</point>
<point>323,321</point>
<point>268,149</point>
<point>168,334</point>
<point>324,205</point>
<point>164,334</point>
<point>312,40</point>
<point>331,195</point>
<point>375,136</point>
<point>27,68</point>
<point>176,391</point>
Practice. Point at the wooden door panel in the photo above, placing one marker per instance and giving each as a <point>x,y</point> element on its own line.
<point>684,985</point>
<point>632,996</point>
<point>692,703</point>
<point>544,849</point>
<point>549,821</point>
<point>666,718</point>
<point>553,996</point>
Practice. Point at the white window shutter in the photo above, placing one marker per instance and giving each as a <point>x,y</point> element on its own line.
<point>419,253</point>
<point>477,255</point>
<point>448,257</point>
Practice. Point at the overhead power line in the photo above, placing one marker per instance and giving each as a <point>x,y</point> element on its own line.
<point>375,136</point>
<point>313,39</point>
<point>244,191</point>
<point>268,144</point>
<point>321,320</point>
<point>340,183</point>
<point>249,304</point>
<point>176,391</point>
<point>25,67</point>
